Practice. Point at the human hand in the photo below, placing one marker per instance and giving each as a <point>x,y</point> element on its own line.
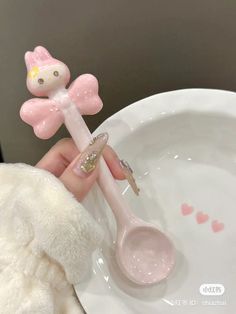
<point>78,171</point>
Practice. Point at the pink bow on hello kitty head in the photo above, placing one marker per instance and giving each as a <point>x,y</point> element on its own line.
<point>47,77</point>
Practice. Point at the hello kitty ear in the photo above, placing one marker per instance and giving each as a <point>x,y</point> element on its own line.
<point>30,60</point>
<point>42,53</point>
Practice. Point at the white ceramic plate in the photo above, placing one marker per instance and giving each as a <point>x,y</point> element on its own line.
<point>182,147</point>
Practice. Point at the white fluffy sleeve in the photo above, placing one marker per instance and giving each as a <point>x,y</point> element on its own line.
<point>37,210</point>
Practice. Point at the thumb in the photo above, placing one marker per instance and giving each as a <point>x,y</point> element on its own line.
<point>82,172</point>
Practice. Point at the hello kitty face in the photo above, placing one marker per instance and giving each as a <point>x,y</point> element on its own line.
<point>41,81</point>
<point>45,74</point>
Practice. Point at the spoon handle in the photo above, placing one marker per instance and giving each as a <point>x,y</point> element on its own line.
<point>82,137</point>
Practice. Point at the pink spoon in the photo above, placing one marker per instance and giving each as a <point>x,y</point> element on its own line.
<point>145,255</point>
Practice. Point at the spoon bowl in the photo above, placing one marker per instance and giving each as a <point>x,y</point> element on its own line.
<point>144,254</point>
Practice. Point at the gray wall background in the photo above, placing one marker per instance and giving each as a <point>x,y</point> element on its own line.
<point>135,48</point>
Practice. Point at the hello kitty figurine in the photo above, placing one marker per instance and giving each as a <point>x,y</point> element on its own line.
<point>48,77</point>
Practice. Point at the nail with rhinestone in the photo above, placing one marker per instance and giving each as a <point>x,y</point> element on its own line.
<point>128,172</point>
<point>89,158</point>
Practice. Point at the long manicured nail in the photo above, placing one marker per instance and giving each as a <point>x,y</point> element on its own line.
<point>128,172</point>
<point>89,158</point>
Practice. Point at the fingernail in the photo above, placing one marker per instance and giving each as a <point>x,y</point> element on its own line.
<point>89,158</point>
<point>128,172</point>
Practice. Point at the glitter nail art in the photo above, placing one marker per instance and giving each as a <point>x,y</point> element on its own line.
<point>128,172</point>
<point>89,158</point>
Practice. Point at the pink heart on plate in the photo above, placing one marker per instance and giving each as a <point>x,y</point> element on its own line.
<point>217,226</point>
<point>186,209</point>
<point>201,217</point>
